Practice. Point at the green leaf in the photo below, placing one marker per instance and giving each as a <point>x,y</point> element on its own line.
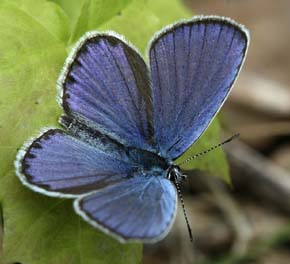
<point>47,14</point>
<point>86,15</point>
<point>71,8</point>
<point>139,27</point>
<point>95,12</point>
<point>39,229</point>
<point>214,162</point>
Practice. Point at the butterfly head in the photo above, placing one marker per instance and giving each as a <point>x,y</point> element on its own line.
<point>175,174</point>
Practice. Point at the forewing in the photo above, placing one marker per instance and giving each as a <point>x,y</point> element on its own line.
<point>105,84</point>
<point>57,164</point>
<point>142,208</point>
<point>194,65</point>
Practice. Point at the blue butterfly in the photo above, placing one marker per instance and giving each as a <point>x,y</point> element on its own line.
<point>126,123</point>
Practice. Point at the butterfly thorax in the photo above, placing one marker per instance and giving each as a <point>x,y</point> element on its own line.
<point>152,164</point>
<point>148,162</point>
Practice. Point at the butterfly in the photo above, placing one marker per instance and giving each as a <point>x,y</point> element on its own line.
<point>126,122</point>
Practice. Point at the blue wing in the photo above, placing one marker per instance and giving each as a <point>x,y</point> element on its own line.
<point>105,84</point>
<point>194,65</point>
<point>58,164</point>
<point>142,208</point>
<point>114,191</point>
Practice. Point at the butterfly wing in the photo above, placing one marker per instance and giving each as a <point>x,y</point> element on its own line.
<point>105,84</point>
<point>142,208</point>
<point>113,191</point>
<point>58,164</point>
<point>194,65</point>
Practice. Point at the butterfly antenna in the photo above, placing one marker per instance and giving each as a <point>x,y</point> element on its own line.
<point>183,208</point>
<point>210,149</point>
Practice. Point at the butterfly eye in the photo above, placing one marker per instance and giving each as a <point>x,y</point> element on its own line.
<point>174,174</point>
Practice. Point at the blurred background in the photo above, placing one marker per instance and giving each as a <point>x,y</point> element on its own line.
<point>248,222</point>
